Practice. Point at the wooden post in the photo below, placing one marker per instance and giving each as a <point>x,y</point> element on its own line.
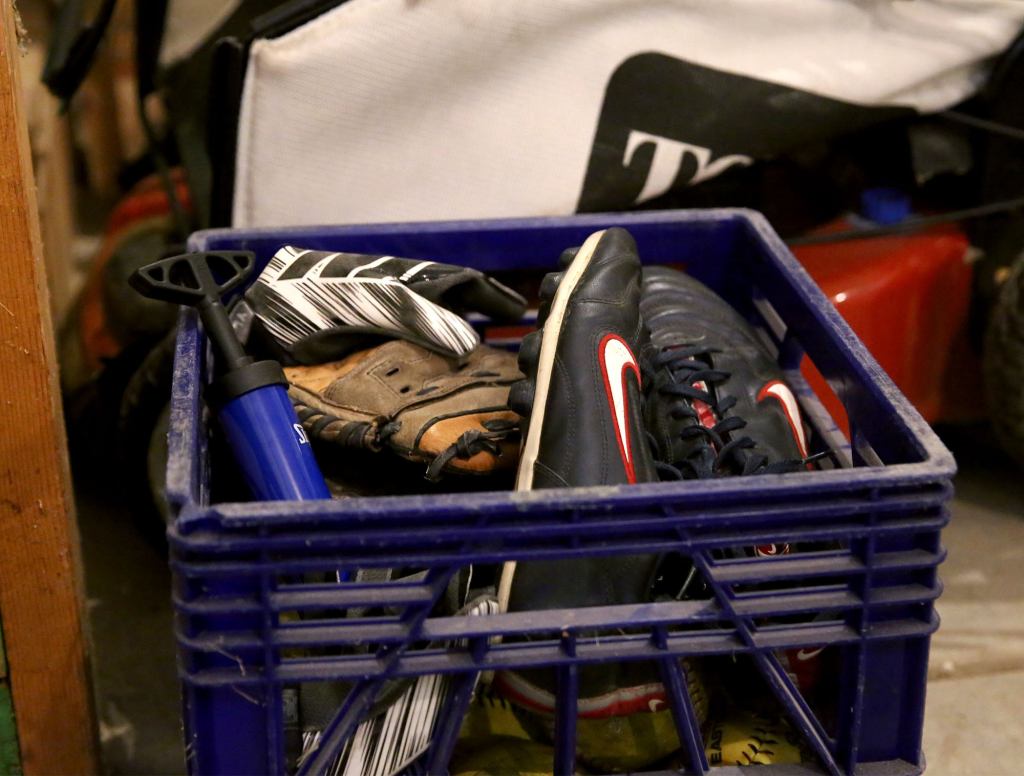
<point>40,583</point>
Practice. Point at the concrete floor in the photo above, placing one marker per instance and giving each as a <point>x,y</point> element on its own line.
<point>976,681</point>
<point>976,676</point>
<point>128,594</point>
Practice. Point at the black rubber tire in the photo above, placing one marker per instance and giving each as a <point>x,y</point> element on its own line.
<point>92,412</point>
<point>140,448</point>
<point>1003,362</point>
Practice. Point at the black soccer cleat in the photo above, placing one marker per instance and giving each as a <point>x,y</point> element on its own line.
<point>582,392</point>
<point>583,425</point>
<point>717,403</point>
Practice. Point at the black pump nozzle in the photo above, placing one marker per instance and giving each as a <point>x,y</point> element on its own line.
<point>200,280</point>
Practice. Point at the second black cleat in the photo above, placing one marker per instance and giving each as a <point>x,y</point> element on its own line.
<point>717,401</point>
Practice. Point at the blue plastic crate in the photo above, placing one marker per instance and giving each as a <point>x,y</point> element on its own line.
<point>236,564</point>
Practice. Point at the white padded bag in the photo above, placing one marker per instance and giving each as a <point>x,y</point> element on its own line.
<point>397,110</point>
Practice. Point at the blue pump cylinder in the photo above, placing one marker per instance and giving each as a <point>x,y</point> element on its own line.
<point>271,447</point>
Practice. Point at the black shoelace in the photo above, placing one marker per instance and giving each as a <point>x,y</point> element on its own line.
<point>722,451</point>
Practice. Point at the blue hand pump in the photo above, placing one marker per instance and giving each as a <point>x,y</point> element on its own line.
<point>249,397</point>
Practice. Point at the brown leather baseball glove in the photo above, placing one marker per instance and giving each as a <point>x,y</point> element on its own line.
<point>426,407</point>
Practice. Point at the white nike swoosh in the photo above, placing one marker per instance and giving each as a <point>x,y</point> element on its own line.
<point>780,391</point>
<point>615,358</point>
<point>809,654</point>
<point>654,704</point>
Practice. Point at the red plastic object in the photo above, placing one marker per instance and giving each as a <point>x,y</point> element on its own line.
<point>906,297</point>
<point>145,206</point>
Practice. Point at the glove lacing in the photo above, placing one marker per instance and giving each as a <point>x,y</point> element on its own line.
<point>472,442</point>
